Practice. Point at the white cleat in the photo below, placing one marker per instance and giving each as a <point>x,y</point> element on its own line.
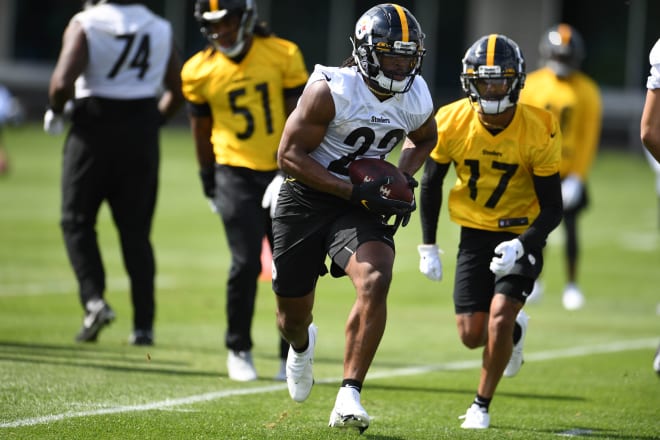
<point>537,293</point>
<point>476,417</point>
<point>516,360</point>
<point>348,412</point>
<point>240,366</point>
<point>572,298</point>
<point>299,374</point>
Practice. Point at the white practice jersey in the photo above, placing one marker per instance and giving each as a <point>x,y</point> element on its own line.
<point>129,47</point>
<point>363,126</point>
<point>653,82</point>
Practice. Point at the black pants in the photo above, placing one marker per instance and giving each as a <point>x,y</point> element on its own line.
<point>238,198</point>
<point>112,154</point>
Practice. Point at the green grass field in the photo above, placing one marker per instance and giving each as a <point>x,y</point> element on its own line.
<point>587,374</point>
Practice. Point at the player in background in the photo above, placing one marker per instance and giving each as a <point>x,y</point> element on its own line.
<point>364,108</point>
<point>507,199</point>
<point>574,98</point>
<point>115,59</point>
<point>11,112</point>
<point>650,128</point>
<point>240,90</point>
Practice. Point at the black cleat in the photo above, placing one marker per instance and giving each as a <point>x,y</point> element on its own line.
<point>141,337</point>
<point>99,314</point>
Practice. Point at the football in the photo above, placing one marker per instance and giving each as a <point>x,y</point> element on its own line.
<point>368,170</point>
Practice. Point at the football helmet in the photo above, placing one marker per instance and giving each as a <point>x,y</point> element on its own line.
<point>562,49</point>
<point>388,30</point>
<point>493,58</point>
<point>210,11</point>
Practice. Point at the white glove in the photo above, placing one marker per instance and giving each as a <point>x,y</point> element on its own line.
<point>429,261</point>
<point>509,251</point>
<point>272,192</point>
<point>53,122</point>
<point>571,189</point>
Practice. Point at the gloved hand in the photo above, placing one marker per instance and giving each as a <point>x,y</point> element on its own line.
<point>405,218</point>
<point>53,122</point>
<point>571,190</point>
<point>412,182</point>
<point>207,176</point>
<point>509,251</point>
<point>367,195</point>
<point>429,261</point>
<point>271,194</point>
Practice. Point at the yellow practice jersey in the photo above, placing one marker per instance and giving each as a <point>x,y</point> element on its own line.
<point>494,190</point>
<point>576,103</point>
<point>246,98</point>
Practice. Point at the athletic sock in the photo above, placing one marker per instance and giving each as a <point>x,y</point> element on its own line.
<point>482,402</point>
<point>352,383</point>
<point>302,349</point>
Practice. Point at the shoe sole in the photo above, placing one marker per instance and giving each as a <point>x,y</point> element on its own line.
<point>349,421</point>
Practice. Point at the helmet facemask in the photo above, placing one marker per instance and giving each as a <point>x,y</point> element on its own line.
<point>476,86</point>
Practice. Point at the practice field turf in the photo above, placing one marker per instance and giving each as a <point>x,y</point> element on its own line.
<point>587,374</point>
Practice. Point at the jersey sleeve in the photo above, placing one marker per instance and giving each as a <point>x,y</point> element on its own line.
<point>296,74</point>
<point>653,81</point>
<point>440,153</point>
<point>547,159</point>
<point>588,128</point>
<point>192,84</point>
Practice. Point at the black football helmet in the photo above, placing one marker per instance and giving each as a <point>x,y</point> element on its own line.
<point>493,57</point>
<point>562,49</point>
<point>388,30</point>
<point>209,11</point>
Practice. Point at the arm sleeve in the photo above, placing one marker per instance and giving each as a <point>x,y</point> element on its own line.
<point>548,192</point>
<point>430,198</point>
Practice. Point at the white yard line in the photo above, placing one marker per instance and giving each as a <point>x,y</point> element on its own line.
<point>612,347</point>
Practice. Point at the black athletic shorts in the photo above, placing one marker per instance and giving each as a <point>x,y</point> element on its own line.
<point>310,225</point>
<point>475,285</point>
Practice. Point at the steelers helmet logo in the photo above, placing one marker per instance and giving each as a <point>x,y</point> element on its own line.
<point>363,27</point>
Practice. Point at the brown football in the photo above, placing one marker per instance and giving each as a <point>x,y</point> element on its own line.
<point>368,170</point>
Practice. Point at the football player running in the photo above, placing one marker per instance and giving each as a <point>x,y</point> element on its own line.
<point>365,108</point>
<point>507,199</point>
<point>574,99</point>
<point>240,90</point>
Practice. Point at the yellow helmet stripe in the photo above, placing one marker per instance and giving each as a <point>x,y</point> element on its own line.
<point>490,50</point>
<point>565,33</point>
<point>404,22</point>
<point>213,5</point>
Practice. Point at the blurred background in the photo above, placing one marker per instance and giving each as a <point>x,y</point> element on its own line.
<point>618,35</point>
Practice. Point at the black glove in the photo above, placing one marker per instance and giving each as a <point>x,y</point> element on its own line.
<point>403,219</point>
<point>412,182</point>
<point>367,195</point>
<point>207,175</point>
